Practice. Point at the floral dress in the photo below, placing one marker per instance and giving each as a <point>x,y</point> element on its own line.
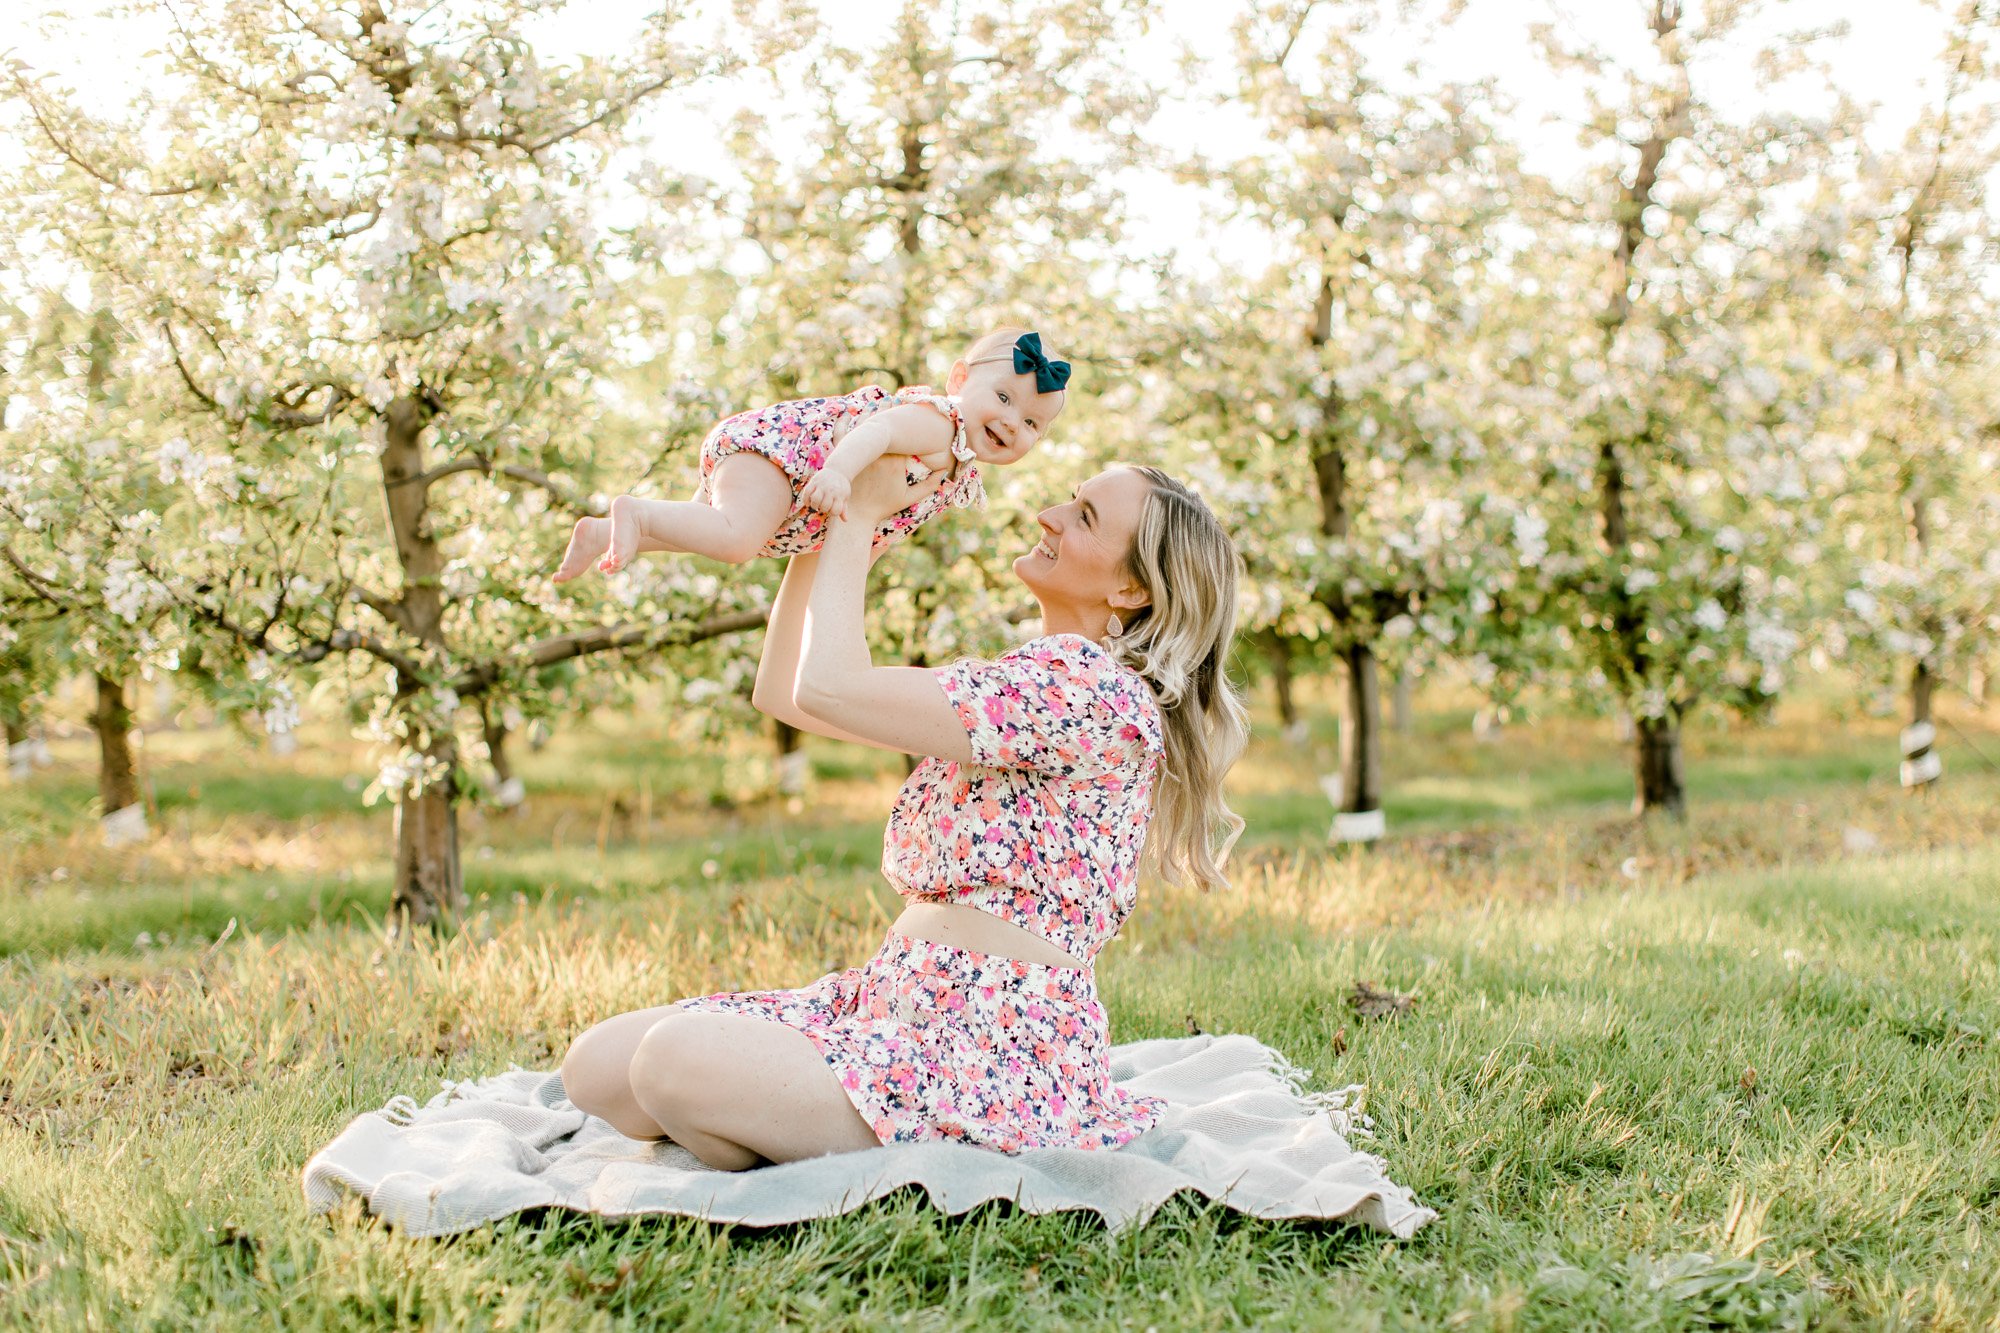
<point>1043,828</point>
<point>799,435</point>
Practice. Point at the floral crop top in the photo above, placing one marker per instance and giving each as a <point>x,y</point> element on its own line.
<point>1044,827</point>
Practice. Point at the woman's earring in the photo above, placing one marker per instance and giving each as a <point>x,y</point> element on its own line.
<point>1116,626</point>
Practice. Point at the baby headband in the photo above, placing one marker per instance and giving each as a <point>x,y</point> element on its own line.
<point>1050,376</point>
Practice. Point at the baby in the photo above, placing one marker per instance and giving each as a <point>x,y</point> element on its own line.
<point>771,476</point>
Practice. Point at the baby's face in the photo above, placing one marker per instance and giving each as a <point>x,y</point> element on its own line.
<point>1005,416</point>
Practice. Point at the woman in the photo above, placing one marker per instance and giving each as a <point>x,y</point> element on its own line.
<point>1018,843</point>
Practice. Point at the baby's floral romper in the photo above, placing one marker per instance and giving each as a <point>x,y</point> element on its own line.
<point>799,435</point>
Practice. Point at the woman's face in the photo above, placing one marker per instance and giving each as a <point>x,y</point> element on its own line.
<point>1079,563</point>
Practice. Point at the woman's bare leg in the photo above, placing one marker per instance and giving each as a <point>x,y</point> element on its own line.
<point>749,496</point>
<point>735,1091</point>
<point>596,1073</point>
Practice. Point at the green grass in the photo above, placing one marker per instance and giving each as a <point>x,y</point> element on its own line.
<point>1720,1076</point>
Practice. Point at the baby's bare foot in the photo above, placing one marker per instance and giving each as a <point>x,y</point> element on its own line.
<point>588,541</point>
<point>623,535</point>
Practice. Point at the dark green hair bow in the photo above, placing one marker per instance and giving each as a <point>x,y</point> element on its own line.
<point>1050,376</point>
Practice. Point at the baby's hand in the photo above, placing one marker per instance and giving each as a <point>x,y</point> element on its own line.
<point>827,491</point>
<point>589,540</point>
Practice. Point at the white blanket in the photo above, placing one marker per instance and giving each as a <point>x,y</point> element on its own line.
<point>1238,1129</point>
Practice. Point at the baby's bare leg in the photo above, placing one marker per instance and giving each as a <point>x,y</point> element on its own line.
<point>749,497</point>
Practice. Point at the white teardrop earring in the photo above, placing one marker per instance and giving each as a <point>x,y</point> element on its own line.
<point>1114,627</point>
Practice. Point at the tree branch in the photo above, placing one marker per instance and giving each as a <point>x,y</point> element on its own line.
<point>605,638</point>
<point>76,159</point>
<point>291,418</point>
<point>385,607</point>
<point>480,463</point>
<point>187,378</point>
<point>533,146</point>
<point>278,411</point>
<point>347,640</point>
<point>215,71</point>
<point>43,587</point>
<point>629,101</point>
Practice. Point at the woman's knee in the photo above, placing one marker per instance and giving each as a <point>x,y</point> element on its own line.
<point>665,1068</point>
<point>591,1074</point>
<point>596,1069</point>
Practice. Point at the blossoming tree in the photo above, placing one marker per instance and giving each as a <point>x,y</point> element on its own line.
<point>1339,397</point>
<point>1911,322</point>
<point>73,605</point>
<point>1674,330</point>
<point>358,247</point>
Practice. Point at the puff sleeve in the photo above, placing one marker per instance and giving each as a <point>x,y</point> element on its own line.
<point>1059,705</point>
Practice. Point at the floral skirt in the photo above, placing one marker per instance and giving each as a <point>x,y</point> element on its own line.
<point>933,1041</point>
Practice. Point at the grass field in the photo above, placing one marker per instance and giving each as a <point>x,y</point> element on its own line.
<point>1738,1074</point>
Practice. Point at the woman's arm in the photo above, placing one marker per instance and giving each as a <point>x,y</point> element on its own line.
<point>899,708</point>
<point>778,668</point>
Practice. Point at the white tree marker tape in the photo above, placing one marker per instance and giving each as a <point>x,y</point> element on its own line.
<point>1364,826</point>
<point>793,770</point>
<point>121,827</point>
<point>1920,763</point>
<point>21,760</point>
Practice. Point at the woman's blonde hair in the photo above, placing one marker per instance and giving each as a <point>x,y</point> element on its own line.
<point>1186,563</point>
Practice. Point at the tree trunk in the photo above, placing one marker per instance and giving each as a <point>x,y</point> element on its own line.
<point>1920,761</point>
<point>1657,756</point>
<point>1402,703</point>
<point>792,764</point>
<point>508,793</point>
<point>20,755</point>
<point>1657,751</point>
<point>496,750</point>
<point>1278,651</point>
<point>430,887</point>
<point>117,773</point>
<point>1361,747</point>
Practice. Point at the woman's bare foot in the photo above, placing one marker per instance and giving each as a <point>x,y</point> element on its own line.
<point>590,539</point>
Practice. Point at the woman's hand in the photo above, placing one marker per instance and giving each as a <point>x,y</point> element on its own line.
<point>884,488</point>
